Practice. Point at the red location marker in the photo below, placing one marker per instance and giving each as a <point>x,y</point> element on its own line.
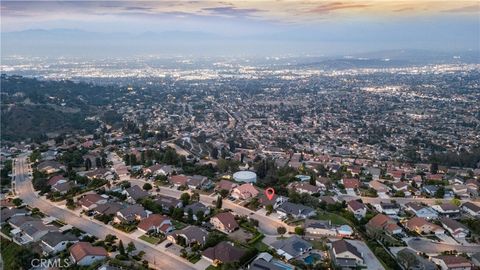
<point>270,192</point>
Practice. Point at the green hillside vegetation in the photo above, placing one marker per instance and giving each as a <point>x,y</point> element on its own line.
<point>32,108</point>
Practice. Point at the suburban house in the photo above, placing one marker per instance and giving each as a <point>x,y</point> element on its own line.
<point>380,223</point>
<point>430,190</point>
<point>31,231</point>
<point>390,209</point>
<point>422,226</point>
<point>400,186</point>
<point>357,208</point>
<point>264,262</point>
<point>135,193</point>
<point>276,200</point>
<point>167,202</point>
<point>452,262</point>
<point>295,210</point>
<point>7,213</point>
<point>473,186</point>
<point>319,227</point>
<point>471,209</point>
<point>50,166</point>
<point>379,187</point>
<point>196,207</point>
<point>351,184</point>
<point>447,210</point>
<point>191,234</point>
<point>83,253</point>
<point>90,201</point>
<point>461,190</point>
<point>304,187</point>
<point>224,222</point>
<point>100,173</point>
<point>159,169</point>
<point>345,255</point>
<point>421,210</point>
<point>291,247</point>
<point>63,188</point>
<point>198,182</point>
<point>54,242</point>
<point>411,260</point>
<point>109,208</point>
<point>245,191</point>
<point>156,223</point>
<point>56,180</point>
<point>225,185</point>
<point>178,180</point>
<point>455,228</point>
<point>131,213</point>
<point>323,182</point>
<point>223,252</point>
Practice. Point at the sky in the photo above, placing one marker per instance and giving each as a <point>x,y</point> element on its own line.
<point>252,27</point>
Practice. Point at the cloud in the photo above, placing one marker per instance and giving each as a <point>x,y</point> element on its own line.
<point>138,8</point>
<point>332,6</point>
<point>232,11</point>
<point>472,8</point>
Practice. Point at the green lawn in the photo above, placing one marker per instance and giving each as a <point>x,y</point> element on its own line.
<point>318,244</point>
<point>15,256</point>
<point>150,239</point>
<point>261,247</point>
<point>211,267</point>
<point>178,225</point>
<point>194,258</point>
<point>334,218</point>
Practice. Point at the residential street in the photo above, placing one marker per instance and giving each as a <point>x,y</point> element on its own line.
<point>157,258</point>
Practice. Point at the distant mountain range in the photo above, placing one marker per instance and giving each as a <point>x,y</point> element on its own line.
<point>74,42</point>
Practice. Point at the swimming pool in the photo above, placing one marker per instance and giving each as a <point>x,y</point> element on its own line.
<point>310,259</point>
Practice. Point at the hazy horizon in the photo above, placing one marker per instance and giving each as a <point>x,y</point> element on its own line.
<point>247,28</point>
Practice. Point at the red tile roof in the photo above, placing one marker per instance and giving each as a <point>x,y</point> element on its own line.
<point>154,220</point>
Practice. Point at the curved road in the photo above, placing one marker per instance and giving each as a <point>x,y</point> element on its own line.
<point>157,258</point>
<point>431,247</point>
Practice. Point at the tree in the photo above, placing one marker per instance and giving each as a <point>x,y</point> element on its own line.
<point>121,248</point>
<point>190,216</point>
<point>185,198</point>
<point>224,193</point>
<point>110,238</point>
<point>214,153</point>
<point>131,247</point>
<point>299,230</point>
<point>434,168</point>
<point>218,204</point>
<point>17,202</point>
<point>147,186</point>
<point>200,216</point>
<point>281,230</point>
<point>70,203</point>
<point>195,197</point>
<point>214,238</point>
<point>313,181</point>
<point>88,164</point>
<point>269,208</point>
<point>440,193</point>
<point>456,202</point>
<point>177,213</point>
